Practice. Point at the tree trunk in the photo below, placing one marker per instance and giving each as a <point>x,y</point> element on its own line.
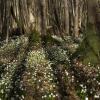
<point>76,14</point>
<point>66,17</point>
<point>43,16</point>
<point>13,14</point>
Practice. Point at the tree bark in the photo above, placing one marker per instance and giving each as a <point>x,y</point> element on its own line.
<point>43,16</point>
<point>76,27</point>
<point>13,14</point>
<point>66,17</point>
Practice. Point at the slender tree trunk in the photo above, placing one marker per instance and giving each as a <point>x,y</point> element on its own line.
<point>43,16</point>
<point>76,20</point>
<point>66,17</point>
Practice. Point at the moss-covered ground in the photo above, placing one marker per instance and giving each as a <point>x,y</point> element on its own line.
<point>89,49</point>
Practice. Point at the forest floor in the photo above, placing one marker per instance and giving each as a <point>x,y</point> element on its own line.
<point>47,73</point>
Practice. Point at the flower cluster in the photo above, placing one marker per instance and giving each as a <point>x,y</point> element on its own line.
<point>13,44</point>
<point>6,79</point>
<point>71,44</point>
<point>40,76</point>
<point>8,50</point>
<point>36,57</point>
<point>57,54</point>
<point>9,66</point>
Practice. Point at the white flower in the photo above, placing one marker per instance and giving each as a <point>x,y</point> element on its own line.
<point>45,96</point>
<point>54,96</point>
<point>39,80</point>
<point>22,96</point>
<point>86,98</point>
<point>50,95</point>
<point>96,96</point>
<point>2,91</point>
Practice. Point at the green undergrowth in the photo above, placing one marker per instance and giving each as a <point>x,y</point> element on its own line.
<point>89,49</point>
<point>35,38</point>
<point>81,93</point>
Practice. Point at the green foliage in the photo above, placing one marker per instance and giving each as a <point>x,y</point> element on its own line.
<point>35,38</point>
<point>12,49</point>
<point>89,49</point>
<point>57,54</point>
<point>81,94</point>
<point>93,38</point>
<point>49,40</point>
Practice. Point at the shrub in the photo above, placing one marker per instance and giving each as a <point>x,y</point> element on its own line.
<point>35,38</point>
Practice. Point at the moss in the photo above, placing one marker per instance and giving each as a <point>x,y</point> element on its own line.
<point>90,57</point>
<point>93,39</point>
<point>89,49</point>
<point>81,51</point>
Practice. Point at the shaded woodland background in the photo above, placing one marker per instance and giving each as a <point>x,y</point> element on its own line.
<point>49,49</point>
<point>63,17</point>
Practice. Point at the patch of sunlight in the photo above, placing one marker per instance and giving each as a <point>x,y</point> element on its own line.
<point>90,57</point>
<point>94,40</point>
<point>89,49</point>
